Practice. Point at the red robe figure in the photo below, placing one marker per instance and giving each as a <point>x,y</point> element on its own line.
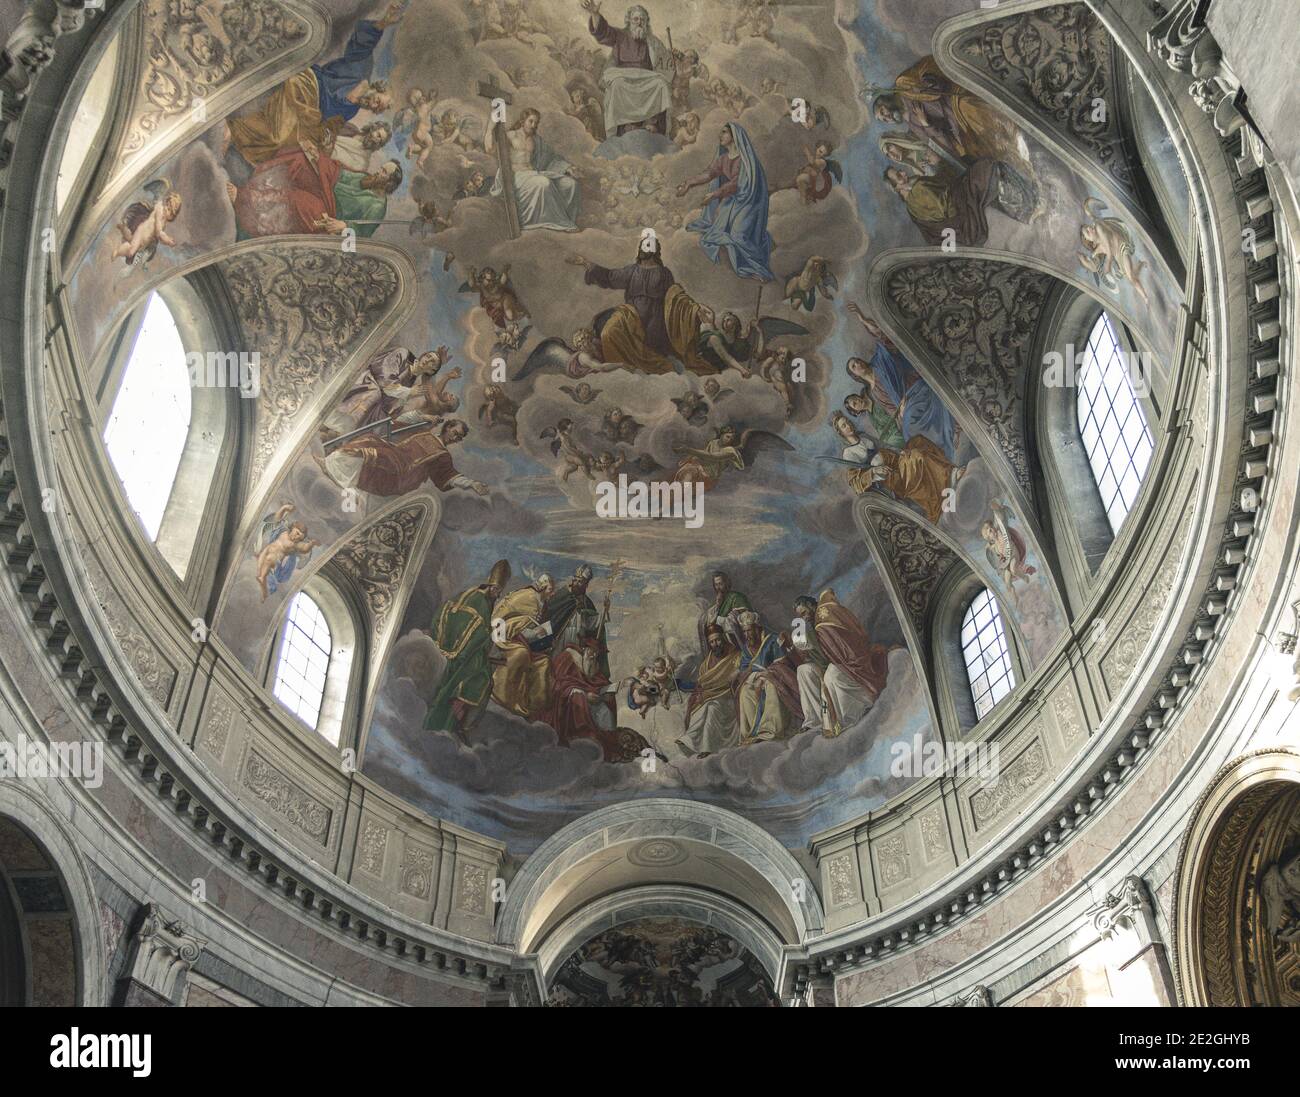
<point>581,709</point>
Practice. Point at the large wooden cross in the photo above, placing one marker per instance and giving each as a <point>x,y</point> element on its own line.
<point>501,146</point>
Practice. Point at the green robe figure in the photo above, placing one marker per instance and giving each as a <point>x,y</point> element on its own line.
<point>725,611</point>
<point>464,635</point>
<point>359,206</point>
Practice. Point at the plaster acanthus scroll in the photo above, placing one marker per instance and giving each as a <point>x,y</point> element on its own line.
<point>303,310</point>
<point>27,52</point>
<point>377,560</point>
<point>194,49</point>
<point>978,317</point>
<point>1058,61</point>
<point>917,558</point>
<point>1128,908</point>
<point>979,996</point>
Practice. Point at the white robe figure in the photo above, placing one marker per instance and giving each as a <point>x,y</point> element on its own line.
<point>547,197</point>
<point>845,701</point>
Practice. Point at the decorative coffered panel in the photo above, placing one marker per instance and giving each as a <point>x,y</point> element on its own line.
<point>978,318</point>
<point>304,311</point>
<point>993,803</point>
<point>1057,64</point>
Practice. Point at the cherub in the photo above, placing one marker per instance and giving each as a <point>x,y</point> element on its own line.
<point>582,394</point>
<point>429,219</point>
<point>450,130</point>
<point>511,337</point>
<point>811,116</point>
<point>586,108</point>
<point>284,544</point>
<point>565,446</point>
<point>802,287</point>
<point>498,409</point>
<point>607,465</point>
<point>813,181</point>
<point>686,129</point>
<point>475,185</point>
<point>1005,549</point>
<point>496,295</point>
<point>618,426</point>
<point>776,367</point>
<point>1109,254</point>
<point>144,225</point>
<point>419,113</point>
<point>686,65</point>
<point>692,407</point>
<point>729,448</point>
<point>713,389</point>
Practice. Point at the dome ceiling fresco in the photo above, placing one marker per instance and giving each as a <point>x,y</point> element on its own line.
<point>460,345</point>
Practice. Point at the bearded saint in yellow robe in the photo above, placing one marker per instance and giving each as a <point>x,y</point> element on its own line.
<point>935,108</point>
<point>523,683</point>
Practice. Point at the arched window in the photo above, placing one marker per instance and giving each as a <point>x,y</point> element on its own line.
<point>150,419</point>
<point>1112,423</point>
<point>986,654</point>
<point>317,659</point>
<point>304,660</point>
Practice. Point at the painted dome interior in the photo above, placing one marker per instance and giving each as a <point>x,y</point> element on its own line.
<point>443,355</point>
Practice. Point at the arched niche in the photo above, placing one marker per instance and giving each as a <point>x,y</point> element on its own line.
<point>51,946</point>
<point>1237,905</point>
<point>656,843</point>
<point>661,901</point>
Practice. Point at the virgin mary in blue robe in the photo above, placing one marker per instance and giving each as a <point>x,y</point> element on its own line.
<point>735,220</point>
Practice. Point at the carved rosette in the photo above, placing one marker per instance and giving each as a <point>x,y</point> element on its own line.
<point>304,310</point>
<point>978,317</point>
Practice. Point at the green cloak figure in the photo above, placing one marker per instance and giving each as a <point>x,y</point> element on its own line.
<point>464,635</point>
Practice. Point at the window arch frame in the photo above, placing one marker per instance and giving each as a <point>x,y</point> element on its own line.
<point>338,722</point>
<point>212,468</point>
<point>953,701</point>
<point>1076,521</point>
<point>999,639</point>
<point>1108,461</point>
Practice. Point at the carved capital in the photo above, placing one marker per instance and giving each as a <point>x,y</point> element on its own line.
<point>979,996</point>
<point>164,950</point>
<point>1126,909</point>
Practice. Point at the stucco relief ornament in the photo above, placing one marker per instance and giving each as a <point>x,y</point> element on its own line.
<point>30,48</point>
<point>1125,908</point>
<point>1280,887</point>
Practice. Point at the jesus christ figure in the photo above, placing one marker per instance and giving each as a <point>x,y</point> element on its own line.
<point>637,80</point>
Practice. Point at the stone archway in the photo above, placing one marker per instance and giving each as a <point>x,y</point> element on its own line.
<point>1237,905</point>
<point>39,957</point>
<point>659,843</point>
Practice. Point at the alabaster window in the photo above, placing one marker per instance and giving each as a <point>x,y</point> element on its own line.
<point>150,419</point>
<point>316,661</point>
<point>304,659</point>
<point>1111,421</point>
<point>986,653</point>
